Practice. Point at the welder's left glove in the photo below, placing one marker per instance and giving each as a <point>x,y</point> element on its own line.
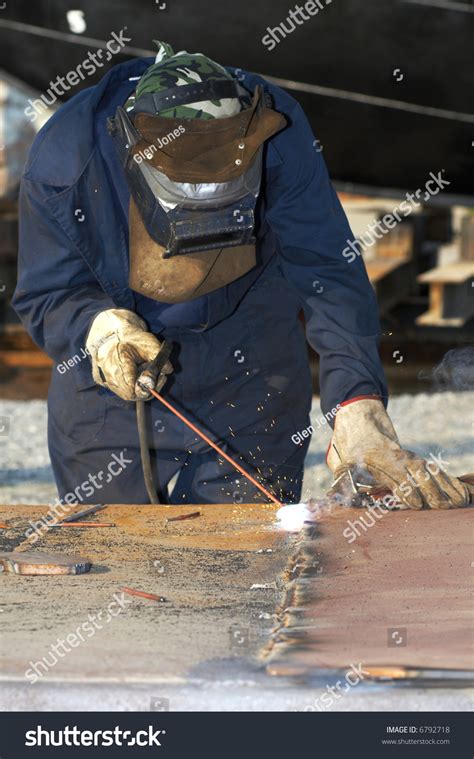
<point>119,344</point>
<point>365,440</point>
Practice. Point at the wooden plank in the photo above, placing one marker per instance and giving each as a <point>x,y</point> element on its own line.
<point>449,274</point>
<point>429,319</point>
<point>398,243</point>
<point>450,305</point>
<point>451,295</point>
<point>31,359</point>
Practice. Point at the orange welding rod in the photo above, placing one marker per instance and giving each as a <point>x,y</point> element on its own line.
<point>142,594</point>
<point>213,445</point>
<point>84,524</point>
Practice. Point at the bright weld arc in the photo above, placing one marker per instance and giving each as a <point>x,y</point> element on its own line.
<point>202,435</point>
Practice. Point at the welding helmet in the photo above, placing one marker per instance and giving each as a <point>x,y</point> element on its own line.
<point>191,145</point>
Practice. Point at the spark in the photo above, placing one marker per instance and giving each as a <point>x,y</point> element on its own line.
<point>292,517</point>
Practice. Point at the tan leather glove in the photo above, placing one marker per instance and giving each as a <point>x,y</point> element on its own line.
<point>118,343</point>
<point>364,439</point>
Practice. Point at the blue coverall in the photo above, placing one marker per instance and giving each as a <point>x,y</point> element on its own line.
<point>241,363</point>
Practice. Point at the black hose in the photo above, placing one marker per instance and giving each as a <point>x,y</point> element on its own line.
<point>145,453</point>
<point>150,370</point>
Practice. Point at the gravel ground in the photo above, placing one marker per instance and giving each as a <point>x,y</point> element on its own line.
<point>426,423</point>
<point>240,692</point>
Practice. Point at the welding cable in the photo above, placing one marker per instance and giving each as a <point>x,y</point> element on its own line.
<point>145,453</point>
<point>148,374</point>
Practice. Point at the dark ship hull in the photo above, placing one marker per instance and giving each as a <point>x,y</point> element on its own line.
<point>387,85</point>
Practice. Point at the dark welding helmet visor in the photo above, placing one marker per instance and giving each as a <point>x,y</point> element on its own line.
<point>194,185</point>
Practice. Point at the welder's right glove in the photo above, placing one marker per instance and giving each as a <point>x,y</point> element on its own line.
<point>118,343</point>
<point>365,440</point>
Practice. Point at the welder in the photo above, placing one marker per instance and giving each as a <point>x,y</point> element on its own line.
<point>179,202</point>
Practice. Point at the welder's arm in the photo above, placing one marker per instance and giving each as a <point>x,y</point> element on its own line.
<point>64,309</point>
<point>339,302</point>
<point>342,323</point>
<point>57,295</point>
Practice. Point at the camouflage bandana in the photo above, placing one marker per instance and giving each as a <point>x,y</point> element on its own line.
<point>172,70</point>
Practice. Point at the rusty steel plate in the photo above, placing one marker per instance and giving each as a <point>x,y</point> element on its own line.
<point>387,591</point>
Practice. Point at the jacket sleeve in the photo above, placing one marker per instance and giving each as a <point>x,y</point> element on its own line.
<point>339,303</point>
<point>57,295</point>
